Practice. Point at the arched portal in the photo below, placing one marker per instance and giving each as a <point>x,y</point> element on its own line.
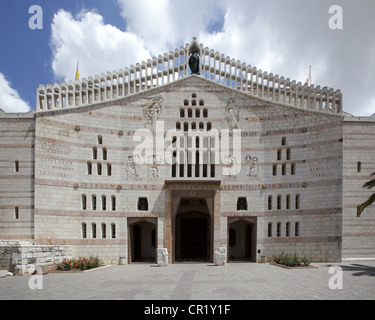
<point>193,238</point>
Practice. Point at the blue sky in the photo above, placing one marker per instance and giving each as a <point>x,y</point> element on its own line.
<point>282,37</point>
<point>25,57</point>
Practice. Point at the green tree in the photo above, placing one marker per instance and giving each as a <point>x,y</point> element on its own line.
<point>368,185</point>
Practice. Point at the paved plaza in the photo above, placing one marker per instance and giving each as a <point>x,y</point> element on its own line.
<point>236,281</point>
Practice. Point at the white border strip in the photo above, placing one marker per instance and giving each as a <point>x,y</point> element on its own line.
<point>93,269</point>
<point>357,259</point>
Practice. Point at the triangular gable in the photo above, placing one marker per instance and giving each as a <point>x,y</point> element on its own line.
<point>173,67</point>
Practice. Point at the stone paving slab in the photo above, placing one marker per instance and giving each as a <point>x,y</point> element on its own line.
<point>235,281</point>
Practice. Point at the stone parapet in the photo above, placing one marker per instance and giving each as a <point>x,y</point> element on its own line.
<point>169,68</point>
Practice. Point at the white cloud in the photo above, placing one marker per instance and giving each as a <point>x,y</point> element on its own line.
<point>282,37</point>
<point>10,101</point>
<point>285,37</point>
<point>98,47</point>
<point>167,24</point>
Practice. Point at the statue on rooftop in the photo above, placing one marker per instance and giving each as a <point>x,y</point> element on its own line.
<point>194,62</point>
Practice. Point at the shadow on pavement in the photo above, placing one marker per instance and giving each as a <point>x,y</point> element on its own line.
<point>358,270</point>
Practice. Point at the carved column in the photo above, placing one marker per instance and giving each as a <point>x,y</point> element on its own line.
<point>219,225</point>
<point>168,232</point>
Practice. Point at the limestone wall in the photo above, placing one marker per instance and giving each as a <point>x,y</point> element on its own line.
<point>299,181</point>
<point>289,154</point>
<point>359,163</point>
<point>16,176</point>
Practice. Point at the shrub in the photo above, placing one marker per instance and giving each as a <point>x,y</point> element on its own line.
<point>291,260</point>
<point>65,265</point>
<point>306,261</point>
<point>80,263</point>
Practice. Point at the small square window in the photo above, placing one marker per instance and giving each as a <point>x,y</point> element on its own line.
<point>274,170</point>
<point>279,154</point>
<point>278,229</point>
<point>269,233</point>
<point>142,204</point>
<point>293,169</point>
<point>296,229</point>
<point>241,204</point>
<point>269,202</point>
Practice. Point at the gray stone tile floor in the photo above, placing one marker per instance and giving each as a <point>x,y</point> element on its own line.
<point>200,281</point>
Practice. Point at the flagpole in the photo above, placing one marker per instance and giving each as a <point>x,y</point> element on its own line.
<point>77,72</point>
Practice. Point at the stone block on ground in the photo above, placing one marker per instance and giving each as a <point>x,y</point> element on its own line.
<point>221,256</point>
<point>42,268</point>
<point>162,257</point>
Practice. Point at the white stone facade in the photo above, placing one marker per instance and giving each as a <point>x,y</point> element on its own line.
<point>290,185</point>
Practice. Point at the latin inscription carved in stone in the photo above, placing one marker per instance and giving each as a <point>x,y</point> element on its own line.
<point>56,148</point>
<point>51,167</point>
<point>325,168</point>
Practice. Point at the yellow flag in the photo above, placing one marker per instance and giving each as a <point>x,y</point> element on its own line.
<point>77,72</point>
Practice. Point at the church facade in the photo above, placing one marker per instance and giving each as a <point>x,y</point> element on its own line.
<point>189,157</point>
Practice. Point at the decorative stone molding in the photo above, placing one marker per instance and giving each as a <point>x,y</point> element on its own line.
<point>152,110</point>
<point>131,170</point>
<point>153,163</point>
<point>232,114</point>
<point>252,162</point>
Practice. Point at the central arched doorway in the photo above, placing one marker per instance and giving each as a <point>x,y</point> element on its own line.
<point>193,232</point>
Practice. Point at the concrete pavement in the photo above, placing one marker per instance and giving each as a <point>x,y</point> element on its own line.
<point>200,281</point>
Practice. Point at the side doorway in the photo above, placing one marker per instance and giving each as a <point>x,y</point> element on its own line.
<point>242,239</point>
<point>142,240</point>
